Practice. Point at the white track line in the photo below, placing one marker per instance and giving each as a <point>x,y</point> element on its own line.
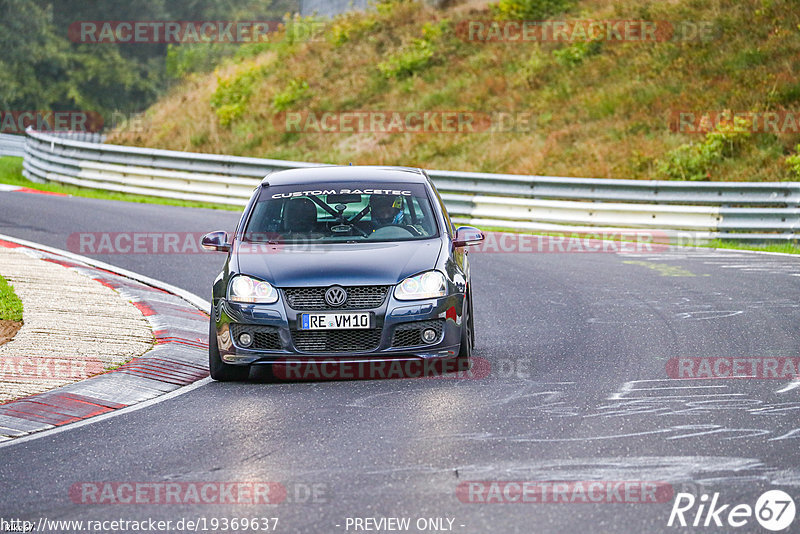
<point>108,415</point>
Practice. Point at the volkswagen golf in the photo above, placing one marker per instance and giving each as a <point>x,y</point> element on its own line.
<point>349,264</point>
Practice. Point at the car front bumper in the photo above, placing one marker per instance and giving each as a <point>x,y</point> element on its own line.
<point>281,341</point>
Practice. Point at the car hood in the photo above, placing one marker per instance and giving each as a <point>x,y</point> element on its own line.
<point>343,264</point>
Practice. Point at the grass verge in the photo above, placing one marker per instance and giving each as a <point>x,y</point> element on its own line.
<point>11,174</point>
<point>785,248</point>
<point>10,305</point>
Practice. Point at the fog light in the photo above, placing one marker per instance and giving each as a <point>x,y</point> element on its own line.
<point>245,339</point>
<point>428,335</point>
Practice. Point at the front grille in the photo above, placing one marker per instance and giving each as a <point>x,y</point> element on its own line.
<point>358,298</point>
<point>410,334</point>
<point>337,340</point>
<point>264,337</point>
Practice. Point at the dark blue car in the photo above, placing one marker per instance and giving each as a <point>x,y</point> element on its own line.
<point>342,264</point>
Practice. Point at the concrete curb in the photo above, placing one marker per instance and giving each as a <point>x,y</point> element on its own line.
<point>179,357</point>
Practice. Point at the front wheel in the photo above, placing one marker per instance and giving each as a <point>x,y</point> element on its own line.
<point>467,337</point>
<point>220,370</point>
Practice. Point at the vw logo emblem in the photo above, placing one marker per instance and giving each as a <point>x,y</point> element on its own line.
<point>335,296</point>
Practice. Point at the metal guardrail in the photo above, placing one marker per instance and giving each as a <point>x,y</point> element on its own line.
<point>12,145</point>
<point>735,210</point>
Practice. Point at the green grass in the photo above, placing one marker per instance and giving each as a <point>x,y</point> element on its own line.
<point>11,173</point>
<point>10,305</point>
<point>785,248</point>
<point>606,110</point>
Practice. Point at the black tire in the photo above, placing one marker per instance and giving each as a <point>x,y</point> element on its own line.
<point>471,319</point>
<point>220,370</point>
<point>467,336</point>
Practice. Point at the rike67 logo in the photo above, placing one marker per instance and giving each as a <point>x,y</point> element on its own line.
<point>774,510</point>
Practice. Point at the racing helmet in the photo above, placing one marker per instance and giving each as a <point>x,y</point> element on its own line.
<point>386,209</point>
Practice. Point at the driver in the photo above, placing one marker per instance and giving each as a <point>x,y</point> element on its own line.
<point>386,210</point>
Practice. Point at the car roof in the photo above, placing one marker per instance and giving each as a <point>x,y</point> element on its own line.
<point>345,173</point>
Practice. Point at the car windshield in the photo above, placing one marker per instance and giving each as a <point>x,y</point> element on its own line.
<point>341,212</point>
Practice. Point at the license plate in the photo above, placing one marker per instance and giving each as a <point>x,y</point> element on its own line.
<point>335,321</point>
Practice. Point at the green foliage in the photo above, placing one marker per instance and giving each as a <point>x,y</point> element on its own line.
<point>347,28</point>
<point>386,8</point>
<point>417,55</point>
<point>574,54</point>
<point>434,32</point>
<point>408,60</point>
<point>230,99</point>
<point>793,162</point>
<point>534,71</point>
<point>182,60</point>
<point>529,9</point>
<point>296,91</point>
<point>43,70</point>
<point>694,161</point>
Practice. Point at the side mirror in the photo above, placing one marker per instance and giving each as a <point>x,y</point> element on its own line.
<point>467,235</point>
<point>216,242</point>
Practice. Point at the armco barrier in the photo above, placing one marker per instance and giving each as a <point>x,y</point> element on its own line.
<point>734,210</point>
<point>12,145</point>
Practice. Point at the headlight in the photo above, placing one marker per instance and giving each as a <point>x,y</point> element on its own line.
<point>246,289</point>
<point>422,286</point>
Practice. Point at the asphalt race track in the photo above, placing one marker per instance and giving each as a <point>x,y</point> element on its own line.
<point>578,343</point>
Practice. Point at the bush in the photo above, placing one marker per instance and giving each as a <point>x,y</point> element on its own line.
<point>296,91</point>
<point>416,56</point>
<point>230,99</point>
<point>574,54</point>
<point>793,162</point>
<point>694,161</point>
<point>408,60</point>
<point>351,27</point>
<point>195,58</point>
